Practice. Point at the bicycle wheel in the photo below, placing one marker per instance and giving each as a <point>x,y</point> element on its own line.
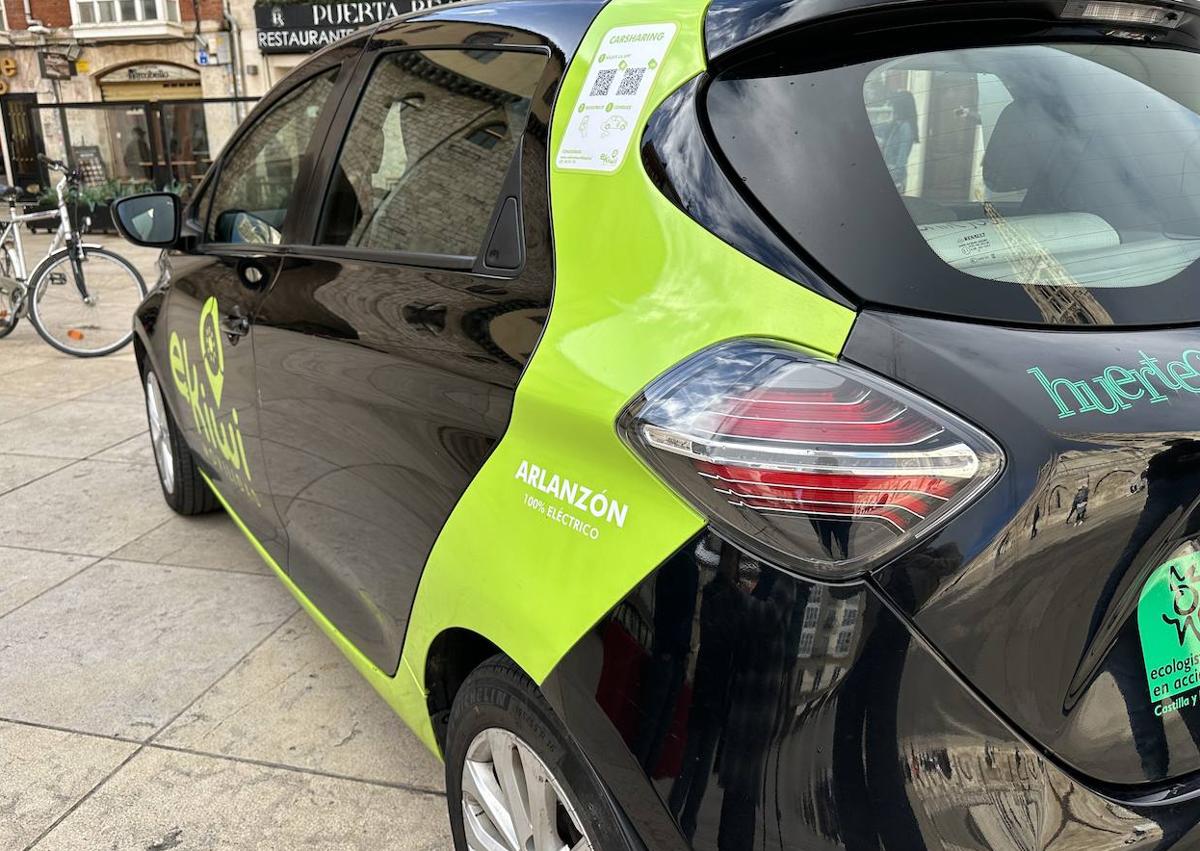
<point>10,298</point>
<point>87,329</point>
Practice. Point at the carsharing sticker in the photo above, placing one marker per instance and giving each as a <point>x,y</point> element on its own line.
<point>605,117</point>
<point>1169,628</point>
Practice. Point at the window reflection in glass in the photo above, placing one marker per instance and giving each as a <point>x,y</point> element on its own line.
<point>258,180</point>
<point>1048,166</point>
<point>428,150</point>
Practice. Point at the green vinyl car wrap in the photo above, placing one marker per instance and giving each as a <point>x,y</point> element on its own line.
<point>626,262</point>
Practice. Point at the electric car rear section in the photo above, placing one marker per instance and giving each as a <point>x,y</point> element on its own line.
<point>753,425</point>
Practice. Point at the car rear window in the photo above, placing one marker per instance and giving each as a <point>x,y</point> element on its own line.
<point>1048,183</point>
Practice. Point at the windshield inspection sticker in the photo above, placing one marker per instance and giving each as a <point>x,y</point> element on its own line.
<point>605,117</point>
<point>1169,628</point>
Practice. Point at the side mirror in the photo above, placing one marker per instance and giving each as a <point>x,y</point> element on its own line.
<point>152,219</point>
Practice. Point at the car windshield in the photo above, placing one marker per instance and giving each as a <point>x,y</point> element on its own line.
<point>1039,179</point>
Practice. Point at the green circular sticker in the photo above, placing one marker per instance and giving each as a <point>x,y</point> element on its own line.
<point>1169,627</point>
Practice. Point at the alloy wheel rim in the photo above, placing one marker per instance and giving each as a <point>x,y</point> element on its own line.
<point>512,801</point>
<point>160,433</point>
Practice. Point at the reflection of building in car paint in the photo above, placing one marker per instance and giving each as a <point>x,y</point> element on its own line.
<point>732,725</point>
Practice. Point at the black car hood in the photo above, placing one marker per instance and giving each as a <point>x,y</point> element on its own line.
<point>1084,633</point>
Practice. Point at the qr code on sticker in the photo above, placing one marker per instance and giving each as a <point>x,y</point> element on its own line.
<point>630,82</point>
<point>604,81</point>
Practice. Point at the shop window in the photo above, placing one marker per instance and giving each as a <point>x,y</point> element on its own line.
<point>188,147</point>
<point>257,182</point>
<point>428,150</point>
<point>125,11</point>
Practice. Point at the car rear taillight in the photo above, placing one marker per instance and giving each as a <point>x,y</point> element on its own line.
<point>817,465</point>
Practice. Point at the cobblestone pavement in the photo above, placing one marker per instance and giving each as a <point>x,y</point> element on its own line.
<point>159,689</point>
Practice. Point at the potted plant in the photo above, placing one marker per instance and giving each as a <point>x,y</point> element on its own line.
<point>95,203</point>
<point>47,200</point>
<point>87,202</point>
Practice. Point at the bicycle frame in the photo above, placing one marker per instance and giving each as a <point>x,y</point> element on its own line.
<point>65,235</point>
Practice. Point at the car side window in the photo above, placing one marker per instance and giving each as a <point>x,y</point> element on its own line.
<point>428,149</point>
<point>200,206</point>
<point>258,177</point>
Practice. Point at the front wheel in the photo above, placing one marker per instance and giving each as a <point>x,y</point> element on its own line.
<point>183,487</point>
<point>87,328</point>
<point>515,780</point>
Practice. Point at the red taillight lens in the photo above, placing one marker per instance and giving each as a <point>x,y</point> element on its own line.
<point>818,465</point>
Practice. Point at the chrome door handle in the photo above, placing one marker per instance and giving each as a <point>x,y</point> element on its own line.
<point>235,326</point>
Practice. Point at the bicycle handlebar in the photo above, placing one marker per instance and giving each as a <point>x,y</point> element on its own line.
<point>71,174</point>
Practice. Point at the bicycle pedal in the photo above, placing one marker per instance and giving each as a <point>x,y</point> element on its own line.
<point>57,279</point>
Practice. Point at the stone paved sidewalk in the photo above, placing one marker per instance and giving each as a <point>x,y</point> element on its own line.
<point>159,688</point>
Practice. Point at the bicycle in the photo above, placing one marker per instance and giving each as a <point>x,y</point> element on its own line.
<point>80,297</point>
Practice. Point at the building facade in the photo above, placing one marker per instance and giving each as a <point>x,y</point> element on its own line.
<point>142,93</point>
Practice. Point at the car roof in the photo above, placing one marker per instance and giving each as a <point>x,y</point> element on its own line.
<point>561,22</point>
<point>731,25</point>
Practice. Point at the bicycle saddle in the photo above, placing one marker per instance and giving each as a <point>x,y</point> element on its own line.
<point>8,193</point>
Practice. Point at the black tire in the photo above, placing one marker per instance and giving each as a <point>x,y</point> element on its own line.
<point>187,493</point>
<point>33,295</point>
<point>498,694</point>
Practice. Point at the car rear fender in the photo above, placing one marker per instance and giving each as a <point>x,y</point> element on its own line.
<point>563,520</point>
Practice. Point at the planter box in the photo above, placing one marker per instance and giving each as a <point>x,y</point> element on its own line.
<point>101,218</point>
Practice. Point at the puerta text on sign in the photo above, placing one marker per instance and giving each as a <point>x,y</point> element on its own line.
<point>305,27</point>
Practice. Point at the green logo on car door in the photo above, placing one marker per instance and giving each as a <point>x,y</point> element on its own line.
<point>221,431</point>
<point>210,349</point>
<point>1169,627</point>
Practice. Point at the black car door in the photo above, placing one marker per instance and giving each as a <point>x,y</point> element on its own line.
<point>389,349</point>
<point>244,217</point>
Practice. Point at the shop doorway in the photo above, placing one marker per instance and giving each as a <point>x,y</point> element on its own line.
<point>155,130</point>
<point>153,81</point>
<point>24,130</point>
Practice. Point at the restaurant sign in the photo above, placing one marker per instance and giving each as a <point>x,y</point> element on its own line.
<point>305,27</point>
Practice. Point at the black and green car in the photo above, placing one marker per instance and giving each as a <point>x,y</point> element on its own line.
<point>754,424</point>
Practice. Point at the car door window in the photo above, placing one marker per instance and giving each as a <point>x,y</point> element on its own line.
<point>428,150</point>
<point>200,205</point>
<point>258,178</point>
